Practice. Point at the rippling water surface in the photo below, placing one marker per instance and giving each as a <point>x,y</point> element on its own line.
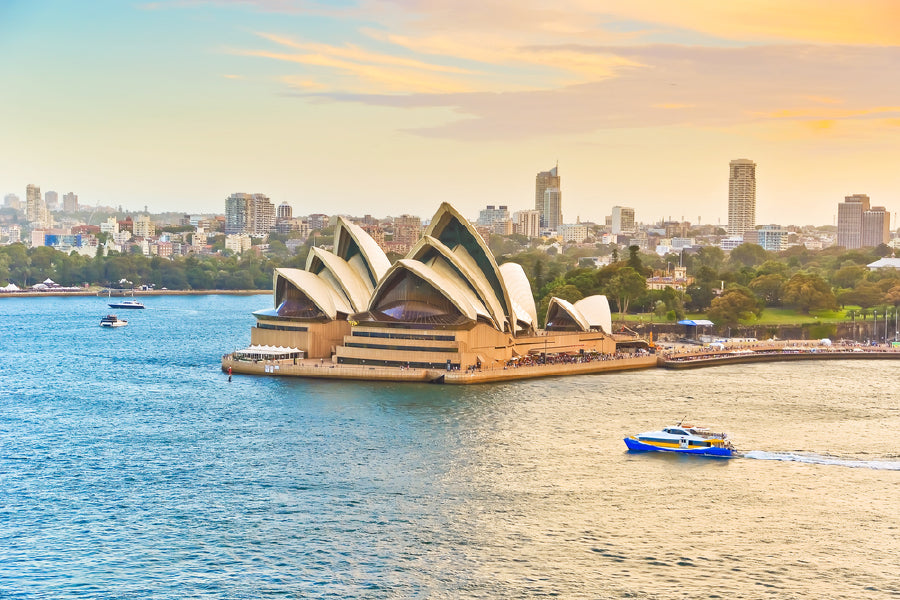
<point>131,468</point>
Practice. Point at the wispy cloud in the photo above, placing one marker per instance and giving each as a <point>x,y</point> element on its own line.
<point>705,87</point>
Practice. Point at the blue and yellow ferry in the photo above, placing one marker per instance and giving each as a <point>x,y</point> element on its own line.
<point>684,439</point>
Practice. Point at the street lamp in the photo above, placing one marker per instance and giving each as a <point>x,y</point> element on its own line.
<point>875,323</point>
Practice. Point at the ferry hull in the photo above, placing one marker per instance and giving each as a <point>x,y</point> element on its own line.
<point>637,446</point>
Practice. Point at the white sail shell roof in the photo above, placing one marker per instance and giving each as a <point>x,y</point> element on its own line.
<point>566,306</point>
<point>595,310</point>
<point>519,289</point>
<point>343,276</point>
<point>475,254</point>
<point>373,262</point>
<point>316,289</point>
<point>467,269</point>
<point>443,284</point>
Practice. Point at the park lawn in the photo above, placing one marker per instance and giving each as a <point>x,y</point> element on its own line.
<point>770,316</point>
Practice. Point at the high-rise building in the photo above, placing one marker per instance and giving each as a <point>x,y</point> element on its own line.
<point>741,196</point>
<point>528,223</point>
<point>12,201</point>
<point>284,211</point>
<point>51,200</point>
<point>544,181</point>
<point>262,215</point>
<point>876,227</point>
<point>622,220</point>
<point>860,225</point>
<point>237,213</point>
<point>33,203</point>
<point>253,214</point>
<point>850,219</point>
<point>491,214</point>
<point>552,214</point>
<point>70,202</point>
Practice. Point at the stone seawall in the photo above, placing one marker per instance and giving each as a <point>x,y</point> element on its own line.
<point>713,361</point>
<point>320,370</point>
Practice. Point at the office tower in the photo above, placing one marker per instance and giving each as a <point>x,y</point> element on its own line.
<point>552,208</point>
<point>262,215</point>
<point>33,203</point>
<point>528,223</point>
<point>51,200</point>
<point>237,213</point>
<point>741,196</point>
<point>252,214</point>
<point>850,220</point>
<point>70,202</point>
<point>876,227</point>
<point>546,180</point>
<point>492,214</point>
<point>622,220</point>
<point>284,211</point>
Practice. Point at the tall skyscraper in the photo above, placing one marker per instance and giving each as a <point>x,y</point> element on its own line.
<point>70,202</point>
<point>876,227</point>
<point>33,203</point>
<point>51,200</point>
<point>284,211</point>
<point>741,196</point>
<point>552,208</point>
<point>253,214</point>
<point>546,180</point>
<point>622,220</point>
<point>850,219</point>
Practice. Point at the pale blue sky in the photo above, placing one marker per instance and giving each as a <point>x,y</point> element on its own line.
<point>392,106</point>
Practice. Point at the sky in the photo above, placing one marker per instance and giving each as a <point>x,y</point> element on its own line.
<point>387,107</point>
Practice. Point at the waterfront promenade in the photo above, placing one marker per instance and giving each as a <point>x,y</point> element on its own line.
<point>680,357</point>
<point>325,370</point>
<point>692,357</point>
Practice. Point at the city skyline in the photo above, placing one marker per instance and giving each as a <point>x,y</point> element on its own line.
<point>179,104</point>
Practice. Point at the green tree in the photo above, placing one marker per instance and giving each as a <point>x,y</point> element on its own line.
<point>748,255</point>
<point>635,262</point>
<point>769,288</point>
<point>734,305</point>
<point>808,292</point>
<point>711,257</point>
<point>626,285</point>
<point>865,294</point>
<point>848,276</point>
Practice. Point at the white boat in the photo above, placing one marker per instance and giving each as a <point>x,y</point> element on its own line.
<point>684,439</point>
<point>112,321</point>
<point>127,304</point>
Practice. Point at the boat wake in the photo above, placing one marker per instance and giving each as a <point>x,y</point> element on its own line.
<point>817,459</point>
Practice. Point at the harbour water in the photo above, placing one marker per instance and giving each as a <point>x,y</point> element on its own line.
<point>131,468</point>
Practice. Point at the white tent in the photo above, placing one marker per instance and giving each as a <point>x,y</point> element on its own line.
<point>10,288</point>
<point>268,353</point>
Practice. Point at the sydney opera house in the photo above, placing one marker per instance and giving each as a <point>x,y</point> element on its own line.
<point>446,305</point>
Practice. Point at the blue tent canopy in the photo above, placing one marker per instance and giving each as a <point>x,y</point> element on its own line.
<point>695,322</point>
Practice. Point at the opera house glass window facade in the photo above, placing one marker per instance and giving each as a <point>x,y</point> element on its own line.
<point>410,299</point>
<point>295,303</point>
